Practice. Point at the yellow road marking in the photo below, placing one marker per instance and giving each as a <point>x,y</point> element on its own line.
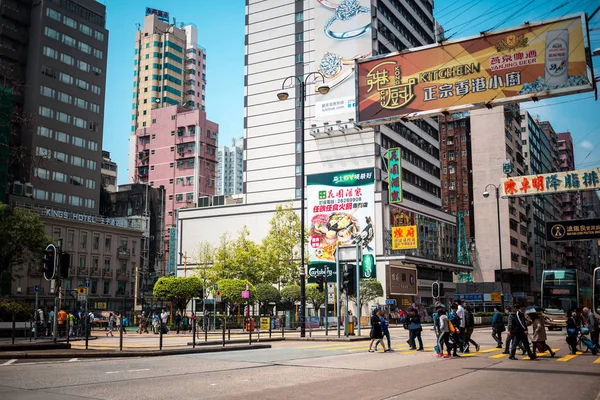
<point>489,350</point>
<point>567,357</point>
<point>501,355</point>
<point>597,361</point>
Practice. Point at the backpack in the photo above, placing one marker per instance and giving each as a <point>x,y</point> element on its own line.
<point>451,327</point>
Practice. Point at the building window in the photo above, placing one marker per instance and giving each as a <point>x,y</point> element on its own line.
<point>107,244</point>
<point>42,173</point>
<point>298,193</point>
<point>83,239</point>
<point>60,156</point>
<point>82,65</point>
<point>68,40</point>
<point>179,197</point>
<point>451,169</point>
<point>76,201</point>
<point>299,58</point>
<point>55,15</point>
<point>60,177</point>
<point>106,288</point>
<point>96,241</point>
<point>46,112</point>
<point>64,97</point>
<point>50,52</point>
<point>51,33</point>
<point>59,198</point>
<point>86,48</point>
<point>299,17</point>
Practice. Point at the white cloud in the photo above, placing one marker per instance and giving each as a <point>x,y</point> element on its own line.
<point>586,144</point>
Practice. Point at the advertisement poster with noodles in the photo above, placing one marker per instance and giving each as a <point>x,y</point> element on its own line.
<point>341,208</point>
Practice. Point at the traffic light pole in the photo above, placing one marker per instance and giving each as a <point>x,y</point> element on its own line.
<point>338,289</point>
<point>326,301</point>
<point>358,307</point>
<point>55,316</point>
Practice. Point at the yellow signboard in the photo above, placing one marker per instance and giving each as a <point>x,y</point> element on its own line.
<point>265,324</point>
<point>81,290</point>
<point>100,305</point>
<point>496,297</point>
<point>404,237</point>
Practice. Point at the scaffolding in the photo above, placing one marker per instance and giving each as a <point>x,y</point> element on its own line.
<point>463,249</point>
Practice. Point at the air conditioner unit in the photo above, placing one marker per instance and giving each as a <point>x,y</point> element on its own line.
<point>28,189</point>
<point>19,289</point>
<point>17,188</point>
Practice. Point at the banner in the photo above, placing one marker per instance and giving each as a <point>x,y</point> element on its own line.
<point>172,260</point>
<point>577,229</point>
<point>540,60</point>
<point>554,182</point>
<point>341,210</point>
<point>404,237</point>
<point>342,34</point>
<point>394,176</point>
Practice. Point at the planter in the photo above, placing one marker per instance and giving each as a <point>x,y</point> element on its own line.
<point>483,321</point>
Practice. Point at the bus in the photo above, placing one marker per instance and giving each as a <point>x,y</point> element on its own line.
<point>562,291</point>
<point>596,295</point>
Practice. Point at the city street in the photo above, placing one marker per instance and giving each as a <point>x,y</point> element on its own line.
<point>304,370</point>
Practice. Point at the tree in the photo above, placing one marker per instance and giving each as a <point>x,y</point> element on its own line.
<point>231,291</point>
<point>315,297</point>
<point>291,293</point>
<point>204,258</point>
<point>177,290</point>
<point>370,289</point>
<point>265,294</point>
<point>246,260</point>
<point>22,237</point>
<point>281,246</point>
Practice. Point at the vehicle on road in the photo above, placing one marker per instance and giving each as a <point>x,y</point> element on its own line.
<point>562,291</point>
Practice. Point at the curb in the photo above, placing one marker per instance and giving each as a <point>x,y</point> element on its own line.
<point>329,339</point>
<point>121,354</point>
<point>33,347</point>
<point>234,341</point>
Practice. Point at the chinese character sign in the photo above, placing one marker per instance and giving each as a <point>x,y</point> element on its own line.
<point>172,261</point>
<point>544,59</point>
<point>580,229</point>
<point>404,237</point>
<point>550,183</point>
<point>394,176</point>
<point>341,210</point>
<point>162,15</point>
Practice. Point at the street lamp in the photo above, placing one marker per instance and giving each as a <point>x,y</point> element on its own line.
<point>283,95</point>
<point>486,194</point>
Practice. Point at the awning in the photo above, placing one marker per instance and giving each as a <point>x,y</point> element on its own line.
<point>426,262</point>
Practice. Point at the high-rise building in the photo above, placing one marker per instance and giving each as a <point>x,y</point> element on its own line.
<point>495,141</point>
<point>194,70</point>
<point>60,77</point>
<point>286,38</point>
<point>229,168</point>
<point>109,171</point>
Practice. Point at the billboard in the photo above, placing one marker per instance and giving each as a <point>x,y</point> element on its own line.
<point>402,281</point>
<point>554,182</point>
<point>162,15</point>
<point>342,35</point>
<point>540,60</point>
<point>404,237</point>
<point>577,229</point>
<point>394,176</point>
<point>172,260</point>
<point>341,210</point>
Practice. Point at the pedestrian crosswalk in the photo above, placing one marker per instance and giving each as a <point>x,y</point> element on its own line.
<point>492,353</point>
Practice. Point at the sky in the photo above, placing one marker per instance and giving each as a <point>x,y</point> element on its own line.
<point>221,31</point>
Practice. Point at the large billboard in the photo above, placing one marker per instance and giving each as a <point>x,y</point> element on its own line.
<point>341,210</point>
<point>554,182</point>
<point>537,60</point>
<point>342,35</point>
<point>577,229</point>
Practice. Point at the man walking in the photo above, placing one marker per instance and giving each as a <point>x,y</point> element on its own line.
<point>460,311</point>
<point>592,324</point>
<point>497,326</point>
<point>519,334</point>
<point>469,326</point>
<point>164,317</point>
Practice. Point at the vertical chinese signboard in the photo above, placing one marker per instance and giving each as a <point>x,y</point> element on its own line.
<point>556,182</point>
<point>404,237</point>
<point>394,176</point>
<point>341,210</point>
<point>172,261</point>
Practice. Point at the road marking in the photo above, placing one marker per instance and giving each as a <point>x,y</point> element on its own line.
<point>139,370</point>
<point>501,355</point>
<point>597,361</point>
<point>10,361</point>
<point>113,372</point>
<point>73,360</point>
<point>567,357</point>
<point>489,350</point>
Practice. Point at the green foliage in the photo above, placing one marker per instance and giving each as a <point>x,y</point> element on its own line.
<point>370,289</point>
<point>22,237</point>
<point>8,307</point>
<point>267,293</point>
<point>231,291</point>
<point>291,293</point>
<point>177,290</point>
<point>314,297</point>
<point>205,270</point>
<point>280,248</point>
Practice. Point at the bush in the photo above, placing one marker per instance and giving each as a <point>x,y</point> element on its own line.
<point>9,307</point>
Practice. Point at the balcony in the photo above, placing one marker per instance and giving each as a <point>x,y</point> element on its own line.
<point>72,270</point>
<point>82,271</point>
<point>123,252</point>
<point>95,272</point>
<point>107,273</point>
<point>122,273</point>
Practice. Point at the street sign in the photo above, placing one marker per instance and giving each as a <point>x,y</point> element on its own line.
<point>245,294</point>
<point>330,297</point>
<point>330,288</point>
<point>218,294</point>
<point>390,302</point>
<point>81,291</point>
<point>218,299</point>
<point>87,283</point>
<point>36,288</point>
<point>81,297</point>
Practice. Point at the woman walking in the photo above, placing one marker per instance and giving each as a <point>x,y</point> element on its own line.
<point>415,330</point>
<point>539,335</point>
<point>572,332</point>
<point>385,322</point>
<point>376,331</point>
<point>444,337</point>
<point>111,324</point>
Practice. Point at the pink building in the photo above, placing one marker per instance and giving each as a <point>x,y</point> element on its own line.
<point>178,151</point>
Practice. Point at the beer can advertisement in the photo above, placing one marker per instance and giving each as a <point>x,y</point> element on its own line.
<point>341,210</point>
<point>533,61</point>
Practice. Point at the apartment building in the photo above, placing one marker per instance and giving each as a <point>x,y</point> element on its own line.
<point>109,171</point>
<point>230,175</point>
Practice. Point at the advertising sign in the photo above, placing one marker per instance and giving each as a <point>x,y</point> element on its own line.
<point>265,324</point>
<point>402,281</point>
<point>315,270</point>
<point>341,210</point>
<point>404,237</point>
<point>578,229</point>
<point>172,261</point>
<point>162,15</point>
<point>394,176</point>
<point>496,297</point>
<point>342,34</point>
<point>538,60</point>
<point>566,181</point>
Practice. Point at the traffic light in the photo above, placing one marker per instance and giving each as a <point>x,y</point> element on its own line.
<point>349,280</point>
<point>64,262</point>
<point>435,290</point>
<point>50,262</point>
<point>442,294</point>
<point>320,283</point>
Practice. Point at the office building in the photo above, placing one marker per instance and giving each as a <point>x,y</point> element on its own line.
<point>58,62</point>
<point>108,172</point>
<point>230,168</point>
<point>288,38</point>
<point>495,141</point>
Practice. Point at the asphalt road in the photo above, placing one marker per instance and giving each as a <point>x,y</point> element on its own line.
<point>308,370</point>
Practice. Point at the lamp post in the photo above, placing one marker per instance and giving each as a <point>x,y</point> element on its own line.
<point>283,95</point>
<point>486,194</point>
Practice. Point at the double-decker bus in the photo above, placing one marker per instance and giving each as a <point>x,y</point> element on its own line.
<point>596,295</point>
<point>562,291</point>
